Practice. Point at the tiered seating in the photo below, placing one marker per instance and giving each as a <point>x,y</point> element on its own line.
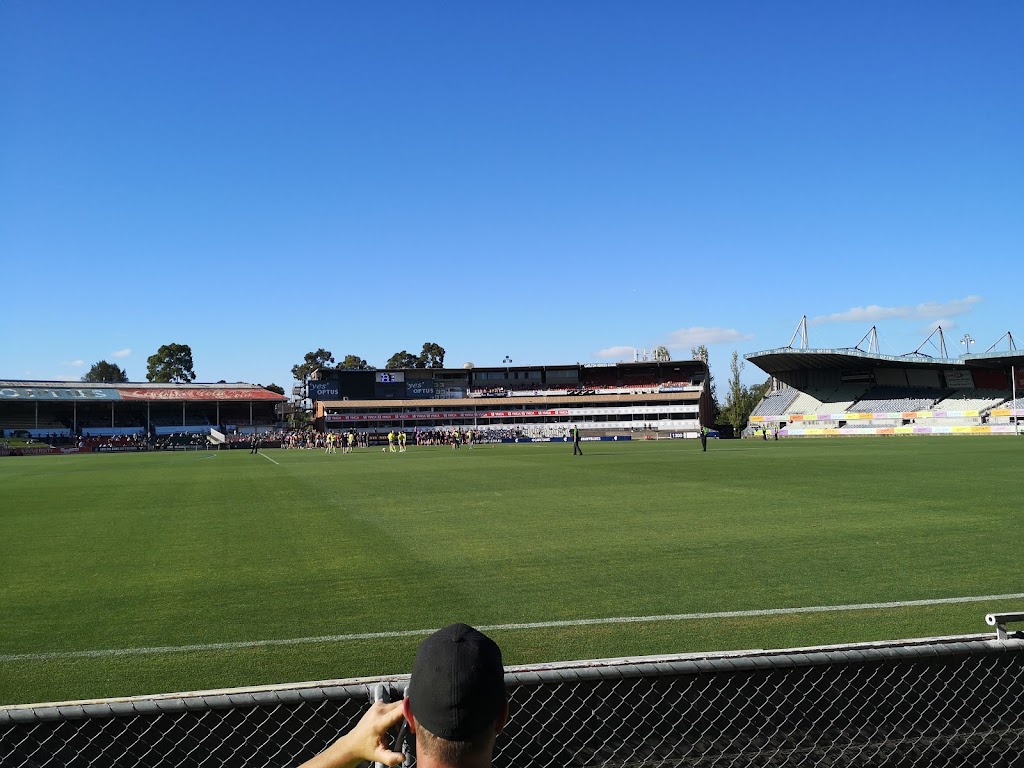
<point>896,399</point>
<point>776,403</point>
<point>805,402</point>
<point>834,400</point>
<point>598,378</point>
<point>971,400</point>
<point>29,422</point>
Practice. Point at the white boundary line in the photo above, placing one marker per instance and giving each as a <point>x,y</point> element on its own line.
<point>268,458</point>
<point>496,627</point>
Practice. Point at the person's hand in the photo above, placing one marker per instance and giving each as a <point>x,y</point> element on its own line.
<point>366,741</point>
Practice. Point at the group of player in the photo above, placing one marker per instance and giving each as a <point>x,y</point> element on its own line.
<point>396,440</point>
<point>347,440</point>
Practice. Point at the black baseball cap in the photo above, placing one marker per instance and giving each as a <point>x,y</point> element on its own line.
<point>458,683</point>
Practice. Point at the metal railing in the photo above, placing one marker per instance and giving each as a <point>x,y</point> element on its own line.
<point>935,702</point>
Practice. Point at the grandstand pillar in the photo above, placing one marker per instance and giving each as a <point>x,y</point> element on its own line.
<point>37,414</point>
<point>250,413</point>
<point>74,417</point>
<point>183,413</point>
<point>1013,386</point>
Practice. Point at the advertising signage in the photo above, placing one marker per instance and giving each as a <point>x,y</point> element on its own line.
<point>58,393</point>
<point>323,390</point>
<point>419,388</point>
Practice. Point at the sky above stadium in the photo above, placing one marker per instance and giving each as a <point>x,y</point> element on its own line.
<point>546,182</point>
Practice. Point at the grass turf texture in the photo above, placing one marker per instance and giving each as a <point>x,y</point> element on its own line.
<point>178,549</point>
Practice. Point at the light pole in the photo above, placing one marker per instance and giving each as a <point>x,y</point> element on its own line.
<point>967,341</point>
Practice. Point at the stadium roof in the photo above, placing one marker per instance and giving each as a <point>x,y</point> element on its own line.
<point>80,390</point>
<point>775,361</point>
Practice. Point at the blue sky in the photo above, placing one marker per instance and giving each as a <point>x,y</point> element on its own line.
<point>553,182</point>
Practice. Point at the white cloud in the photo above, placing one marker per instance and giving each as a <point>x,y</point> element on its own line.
<point>947,309</point>
<point>682,339</point>
<point>686,338</point>
<point>931,310</point>
<point>869,314</point>
<point>74,364</point>
<point>618,353</point>
<point>122,353</point>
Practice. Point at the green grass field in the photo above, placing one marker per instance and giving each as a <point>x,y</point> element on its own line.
<point>183,551</point>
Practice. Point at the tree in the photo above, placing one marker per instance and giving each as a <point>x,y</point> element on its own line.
<point>662,355</point>
<point>402,359</point>
<point>104,372</point>
<point>432,356</point>
<point>274,388</point>
<point>171,363</point>
<point>741,400</point>
<point>701,353</point>
<point>354,362</point>
<point>311,362</point>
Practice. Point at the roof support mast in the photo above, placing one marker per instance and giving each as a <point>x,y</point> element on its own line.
<point>872,337</point>
<point>1011,346</point>
<point>801,328</point>
<point>942,343</point>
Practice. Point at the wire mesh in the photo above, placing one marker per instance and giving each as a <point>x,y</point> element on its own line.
<point>952,702</point>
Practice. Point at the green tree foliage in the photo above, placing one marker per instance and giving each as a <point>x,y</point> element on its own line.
<point>311,362</point>
<point>104,372</point>
<point>274,388</point>
<point>354,362</point>
<point>741,400</point>
<point>402,359</point>
<point>662,355</point>
<point>432,356</point>
<point>171,363</point>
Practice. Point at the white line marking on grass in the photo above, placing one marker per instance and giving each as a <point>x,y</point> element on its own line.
<point>496,627</point>
<point>268,458</point>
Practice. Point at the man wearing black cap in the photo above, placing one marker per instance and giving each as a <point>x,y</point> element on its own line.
<point>455,706</point>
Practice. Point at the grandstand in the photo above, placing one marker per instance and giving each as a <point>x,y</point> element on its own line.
<point>849,391</point>
<point>52,409</point>
<point>669,398</point>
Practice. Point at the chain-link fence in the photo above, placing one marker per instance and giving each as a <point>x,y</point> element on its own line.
<point>948,702</point>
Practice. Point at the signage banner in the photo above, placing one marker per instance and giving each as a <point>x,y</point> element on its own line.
<point>427,415</point>
<point>323,390</point>
<point>959,379</point>
<point>184,393</point>
<point>58,393</point>
<point>419,388</point>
